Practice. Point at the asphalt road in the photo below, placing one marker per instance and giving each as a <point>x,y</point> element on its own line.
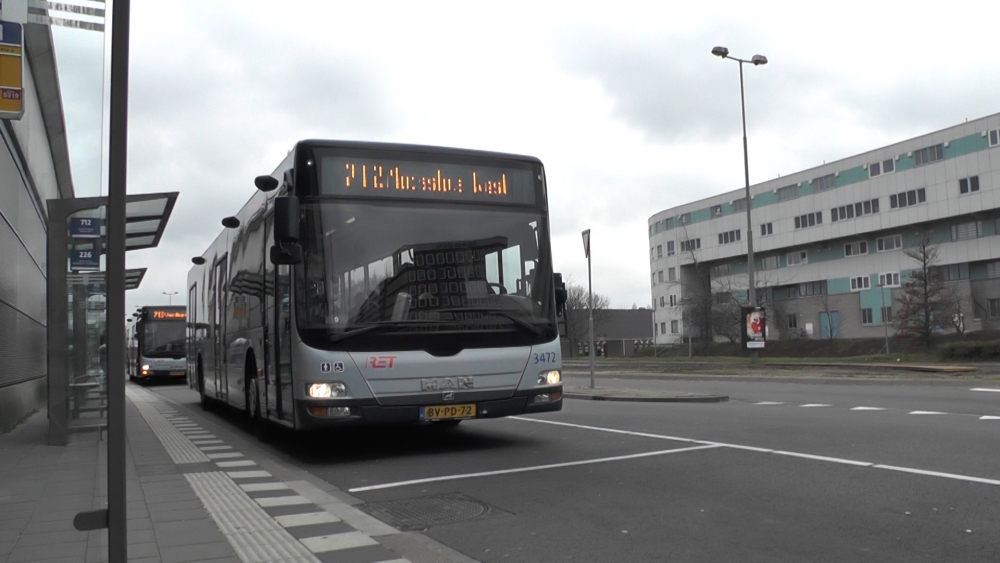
<point>782,472</point>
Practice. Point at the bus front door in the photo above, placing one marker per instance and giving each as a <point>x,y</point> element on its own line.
<point>283,341</point>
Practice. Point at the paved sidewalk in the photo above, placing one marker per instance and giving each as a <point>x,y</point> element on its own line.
<point>192,497</point>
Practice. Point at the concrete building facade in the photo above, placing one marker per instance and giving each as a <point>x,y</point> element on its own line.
<point>34,168</point>
<point>829,242</point>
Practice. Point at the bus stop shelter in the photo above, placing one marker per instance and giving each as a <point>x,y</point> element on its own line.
<point>77,239</point>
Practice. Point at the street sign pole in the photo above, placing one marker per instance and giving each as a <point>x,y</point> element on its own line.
<point>590,303</point>
<point>115,262</point>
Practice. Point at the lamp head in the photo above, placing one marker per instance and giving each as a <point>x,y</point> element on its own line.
<point>720,52</point>
<point>758,60</point>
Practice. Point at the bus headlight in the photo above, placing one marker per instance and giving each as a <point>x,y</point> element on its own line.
<point>553,377</point>
<point>327,390</point>
<point>145,367</point>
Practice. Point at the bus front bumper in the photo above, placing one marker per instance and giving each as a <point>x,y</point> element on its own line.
<point>314,414</point>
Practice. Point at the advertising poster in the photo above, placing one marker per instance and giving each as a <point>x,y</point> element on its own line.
<point>753,335</point>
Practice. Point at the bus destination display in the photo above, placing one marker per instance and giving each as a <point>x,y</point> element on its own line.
<point>160,314</point>
<point>426,180</point>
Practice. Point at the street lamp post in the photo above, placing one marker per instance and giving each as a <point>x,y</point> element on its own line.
<point>170,296</point>
<point>756,60</point>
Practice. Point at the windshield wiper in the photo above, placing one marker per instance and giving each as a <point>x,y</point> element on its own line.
<point>379,325</point>
<point>500,311</point>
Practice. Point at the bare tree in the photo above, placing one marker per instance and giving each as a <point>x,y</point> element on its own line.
<point>926,305</point>
<point>833,320</point>
<point>577,313</point>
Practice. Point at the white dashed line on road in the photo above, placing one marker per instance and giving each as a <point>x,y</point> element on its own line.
<point>913,412</point>
<point>987,389</point>
<point>867,409</point>
<point>815,405</point>
<point>769,403</point>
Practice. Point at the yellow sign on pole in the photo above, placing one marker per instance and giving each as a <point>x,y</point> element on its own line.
<point>11,53</point>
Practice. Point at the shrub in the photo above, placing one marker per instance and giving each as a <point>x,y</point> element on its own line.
<point>971,350</point>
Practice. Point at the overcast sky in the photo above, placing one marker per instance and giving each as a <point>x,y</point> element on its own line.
<point>622,101</point>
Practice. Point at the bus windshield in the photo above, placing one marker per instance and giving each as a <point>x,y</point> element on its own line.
<point>163,339</point>
<point>396,276</point>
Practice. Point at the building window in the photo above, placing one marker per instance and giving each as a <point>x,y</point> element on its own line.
<point>824,182</point>
<point>796,258</point>
<point>652,255</point>
<point>720,270</point>
<point>967,231</point>
<point>809,220</point>
<point>670,248</point>
<point>740,204</point>
<point>662,301</point>
<point>672,274</point>
<point>955,272</point>
<point>853,210</point>
<point>689,245</point>
<point>769,263</point>
<point>968,185</point>
<point>994,305</point>
<point>722,297</point>
<point>885,244</point>
<point>674,328</point>
<point>887,315</point>
<point>809,289</point>
<point>890,279</point>
<point>905,199</point>
<point>673,300</point>
<point>659,275</point>
<point>788,192</point>
<point>928,155</point>
<point>993,269</point>
<point>663,327</point>
<point>860,282</point>
<point>685,218</point>
<point>766,229</point>
<point>793,321</point>
<point>994,137</point>
<point>716,211</point>
<point>856,248</point>
<point>884,167</point>
<point>659,251</point>
<point>866,316</point>
<point>668,224</point>
<point>729,237</point>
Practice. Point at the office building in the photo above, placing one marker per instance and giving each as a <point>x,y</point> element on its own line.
<point>830,241</point>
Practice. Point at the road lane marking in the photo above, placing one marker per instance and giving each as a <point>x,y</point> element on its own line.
<point>526,469</point>
<point>939,474</point>
<point>307,519</point>
<point>771,451</point>
<point>769,403</point>
<point>337,542</point>
<point>814,405</point>
<point>824,458</point>
<point>989,417</point>
<point>867,409</point>
<point>987,389</point>
<point>928,412</point>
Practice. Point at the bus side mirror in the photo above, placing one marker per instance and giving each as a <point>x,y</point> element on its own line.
<point>286,219</point>
<point>561,295</point>
<point>286,254</point>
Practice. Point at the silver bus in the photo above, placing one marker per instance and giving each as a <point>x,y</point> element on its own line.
<point>156,344</point>
<point>375,283</point>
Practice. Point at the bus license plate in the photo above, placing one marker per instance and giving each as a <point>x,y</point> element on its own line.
<point>444,412</point>
<point>177,373</point>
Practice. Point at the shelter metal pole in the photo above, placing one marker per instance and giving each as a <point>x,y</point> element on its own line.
<point>115,265</point>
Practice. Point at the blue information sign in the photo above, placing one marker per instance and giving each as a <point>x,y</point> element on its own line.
<point>95,288</point>
<point>85,260</point>
<point>85,227</point>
